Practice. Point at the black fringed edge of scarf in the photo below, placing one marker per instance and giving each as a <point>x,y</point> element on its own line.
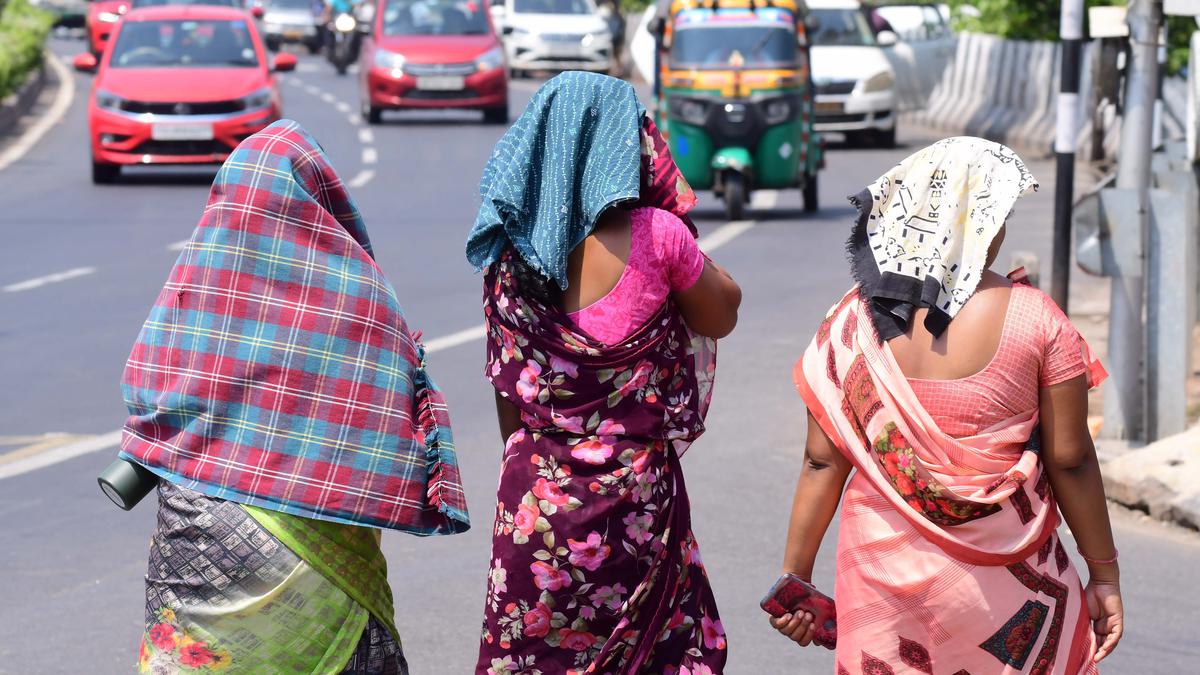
<point>892,297</point>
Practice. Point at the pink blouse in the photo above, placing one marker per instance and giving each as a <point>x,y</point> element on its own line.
<point>1038,348</point>
<point>663,258</point>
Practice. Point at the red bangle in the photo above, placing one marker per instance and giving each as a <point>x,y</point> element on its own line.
<point>1094,561</point>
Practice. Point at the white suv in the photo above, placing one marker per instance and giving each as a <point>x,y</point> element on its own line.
<point>854,81</point>
<point>554,35</point>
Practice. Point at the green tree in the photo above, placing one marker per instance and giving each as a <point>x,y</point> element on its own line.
<point>1038,20</point>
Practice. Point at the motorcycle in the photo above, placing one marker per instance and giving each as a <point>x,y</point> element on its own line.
<point>342,49</point>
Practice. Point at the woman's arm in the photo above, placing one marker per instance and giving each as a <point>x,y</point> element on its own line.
<point>1070,462</point>
<point>817,495</point>
<point>508,415</point>
<point>710,306</point>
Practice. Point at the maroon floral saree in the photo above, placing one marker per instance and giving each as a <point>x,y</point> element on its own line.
<point>594,565</point>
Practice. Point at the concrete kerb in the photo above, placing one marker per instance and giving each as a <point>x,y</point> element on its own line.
<point>1161,479</point>
<point>15,105</point>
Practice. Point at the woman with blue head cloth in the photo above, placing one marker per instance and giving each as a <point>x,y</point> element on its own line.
<point>277,393</point>
<point>601,313</point>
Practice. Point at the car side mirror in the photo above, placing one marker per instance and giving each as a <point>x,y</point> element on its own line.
<point>85,62</point>
<point>257,11</point>
<point>886,38</point>
<point>283,62</point>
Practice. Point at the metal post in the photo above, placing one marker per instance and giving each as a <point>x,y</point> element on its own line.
<point>1071,35</point>
<point>1124,397</point>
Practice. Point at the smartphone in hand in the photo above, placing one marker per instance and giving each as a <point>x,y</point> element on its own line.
<point>792,594</point>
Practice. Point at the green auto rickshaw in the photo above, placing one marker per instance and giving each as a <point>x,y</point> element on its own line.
<point>735,98</point>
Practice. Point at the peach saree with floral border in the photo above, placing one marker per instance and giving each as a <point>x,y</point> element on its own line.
<point>948,558</point>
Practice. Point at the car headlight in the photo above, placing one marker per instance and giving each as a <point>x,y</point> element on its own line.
<point>386,59</point>
<point>596,38</point>
<point>109,17</point>
<point>107,100</point>
<point>881,81</point>
<point>344,23</point>
<point>689,110</point>
<point>777,111</point>
<point>491,59</point>
<point>258,99</point>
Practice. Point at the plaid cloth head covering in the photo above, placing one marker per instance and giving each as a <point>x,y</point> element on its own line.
<point>276,369</point>
<point>583,144</point>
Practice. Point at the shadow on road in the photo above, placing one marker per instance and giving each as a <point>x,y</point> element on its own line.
<point>170,179</point>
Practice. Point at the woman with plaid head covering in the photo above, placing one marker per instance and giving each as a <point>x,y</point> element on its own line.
<point>959,399</point>
<point>277,392</point>
<point>601,315</point>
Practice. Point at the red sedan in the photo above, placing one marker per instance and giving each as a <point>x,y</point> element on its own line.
<point>102,17</point>
<point>179,85</point>
<point>434,54</point>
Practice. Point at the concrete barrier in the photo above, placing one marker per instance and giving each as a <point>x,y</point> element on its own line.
<point>1006,90</point>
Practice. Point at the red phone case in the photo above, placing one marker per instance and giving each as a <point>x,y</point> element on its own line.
<point>791,594</point>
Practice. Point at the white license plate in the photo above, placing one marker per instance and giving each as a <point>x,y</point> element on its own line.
<point>830,107</point>
<point>181,132</point>
<point>441,83</point>
<point>569,49</point>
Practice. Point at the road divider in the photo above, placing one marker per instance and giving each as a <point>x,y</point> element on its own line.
<point>58,108</point>
<point>38,282</point>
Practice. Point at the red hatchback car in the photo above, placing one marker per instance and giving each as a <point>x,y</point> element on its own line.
<point>179,85</point>
<point>102,16</point>
<point>433,54</point>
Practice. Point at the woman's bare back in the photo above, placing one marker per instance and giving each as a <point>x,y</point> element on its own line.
<point>968,343</point>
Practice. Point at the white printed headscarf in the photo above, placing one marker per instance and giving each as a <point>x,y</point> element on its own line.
<point>925,226</point>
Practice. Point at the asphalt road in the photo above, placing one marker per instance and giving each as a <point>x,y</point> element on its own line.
<point>71,564</point>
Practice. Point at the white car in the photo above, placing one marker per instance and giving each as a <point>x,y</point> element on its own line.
<point>855,83</point>
<point>554,35</point>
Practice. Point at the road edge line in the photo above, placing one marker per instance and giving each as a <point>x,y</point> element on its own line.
<point>58,109</point>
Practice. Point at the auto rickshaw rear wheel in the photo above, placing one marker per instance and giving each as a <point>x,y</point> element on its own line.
<point>811,201</point>
<point>735,196</point>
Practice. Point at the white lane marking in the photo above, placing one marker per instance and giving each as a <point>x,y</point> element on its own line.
<point>361,178</point>
<point>58,108</point>
<point>59,454</point>
<point>366,136</point>
<point>724,234</point>
<point>179,245</point>
<point>718,238</point>
<point>328,97</point>
<point>312,90</point>
<point>462,337</point>
<point>344,108</point>
<point>37,282</point>
<point>353,119</point>
<point>764,199</point>
<point>369,155</point>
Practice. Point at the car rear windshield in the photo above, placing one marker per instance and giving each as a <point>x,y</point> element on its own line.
<point>184,43</point>
<point>136,4</point>
<point>551,7</point>
<point>714,46</point>
<point>841,28</point>
<point>445,17</point>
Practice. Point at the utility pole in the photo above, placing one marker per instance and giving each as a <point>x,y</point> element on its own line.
<point>1124,396</point>
<point>1070,30</point>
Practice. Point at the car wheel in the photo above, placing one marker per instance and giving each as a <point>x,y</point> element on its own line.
<point>371,114</point>
<point>885,138</point>
<point>273,45</point>
<point>515,74</point>
<point>810,192</point>
<point>103,174</point>
<point>735,196</point>
<point>497,115</point>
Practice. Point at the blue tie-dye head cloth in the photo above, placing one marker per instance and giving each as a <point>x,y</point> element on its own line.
<point>573,153</point>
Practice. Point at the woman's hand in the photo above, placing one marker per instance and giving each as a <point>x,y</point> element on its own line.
<point>797,627</point>
<point>1107,613</point>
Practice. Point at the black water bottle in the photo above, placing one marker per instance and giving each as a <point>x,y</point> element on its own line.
<point>126,482</point>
